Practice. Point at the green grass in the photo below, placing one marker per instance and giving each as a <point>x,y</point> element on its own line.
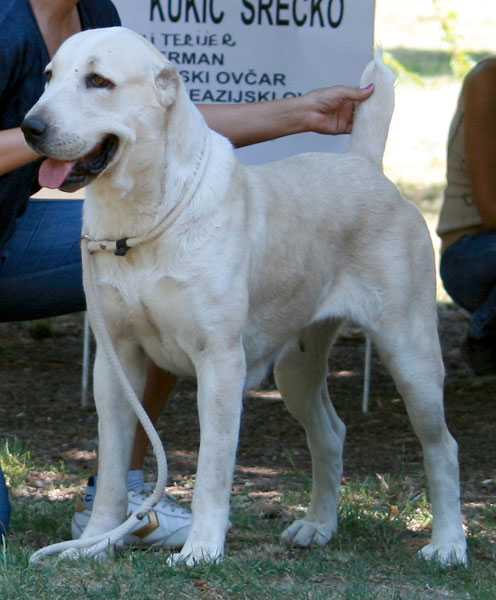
<point>15,461</point>
<point>430,67</point>
<point>428,198</point>
<point>429,63</point>
<point>383,522</point>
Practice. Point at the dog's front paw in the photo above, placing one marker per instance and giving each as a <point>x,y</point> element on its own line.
<point>306,533</point>
<point>446,555</point>
<point>104,548</point>
<point>196,554</point>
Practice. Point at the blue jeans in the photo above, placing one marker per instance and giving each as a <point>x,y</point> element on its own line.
<point>4,506</point>
<point>40,266</point>
<point>468,271</point>
<point>41,275</point>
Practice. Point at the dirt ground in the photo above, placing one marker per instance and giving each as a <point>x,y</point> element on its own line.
<point>40,371</point>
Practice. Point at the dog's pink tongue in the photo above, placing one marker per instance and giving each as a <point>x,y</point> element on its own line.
<point>53,172</point>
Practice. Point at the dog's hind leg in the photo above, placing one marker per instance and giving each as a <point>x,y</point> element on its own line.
<point>301,378</point>
<point>408,344</point>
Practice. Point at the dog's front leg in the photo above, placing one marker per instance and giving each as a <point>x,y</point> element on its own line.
<point>116,427</point>
<point>221,378</point>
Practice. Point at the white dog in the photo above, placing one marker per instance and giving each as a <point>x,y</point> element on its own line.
<point>234,269</point>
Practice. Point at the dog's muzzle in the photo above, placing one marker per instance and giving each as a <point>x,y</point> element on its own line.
<point>34,129</point>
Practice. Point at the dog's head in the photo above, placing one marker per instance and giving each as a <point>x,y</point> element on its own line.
<point>106,88</point>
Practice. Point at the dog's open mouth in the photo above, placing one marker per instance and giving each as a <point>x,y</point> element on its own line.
<point>69,175</point>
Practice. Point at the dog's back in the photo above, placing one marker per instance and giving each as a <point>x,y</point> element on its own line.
<point>322,226</point>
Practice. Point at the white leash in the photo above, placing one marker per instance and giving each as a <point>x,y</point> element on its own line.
<point>93,546</point>
<point>86,361</point>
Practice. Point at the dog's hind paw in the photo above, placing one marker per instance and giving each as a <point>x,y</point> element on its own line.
<point>447,555</point>
<point>306,533</point>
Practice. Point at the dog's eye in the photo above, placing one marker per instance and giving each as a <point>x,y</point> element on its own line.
<point>93,80</point>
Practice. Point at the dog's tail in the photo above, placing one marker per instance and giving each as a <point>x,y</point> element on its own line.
<point>373,116</point>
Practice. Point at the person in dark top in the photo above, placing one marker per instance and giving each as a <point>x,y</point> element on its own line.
<point>27,43</point>
<point>40,263</point>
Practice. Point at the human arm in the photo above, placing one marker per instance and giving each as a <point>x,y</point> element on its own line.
<point>327,110</point>
<point>14,152</point>
<point>480,138</point>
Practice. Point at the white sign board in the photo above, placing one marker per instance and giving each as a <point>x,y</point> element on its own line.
<point>232,51</point>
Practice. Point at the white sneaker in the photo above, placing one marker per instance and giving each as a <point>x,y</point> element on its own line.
<point>167,525</point>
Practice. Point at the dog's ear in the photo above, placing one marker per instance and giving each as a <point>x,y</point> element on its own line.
<point>166,85</point>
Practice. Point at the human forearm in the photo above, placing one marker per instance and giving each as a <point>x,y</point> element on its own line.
<point>246,124</point>
<point>14,152</point>
<point>327,110</point>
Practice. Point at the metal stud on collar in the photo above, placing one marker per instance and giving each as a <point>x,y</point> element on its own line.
<point>121,247</point>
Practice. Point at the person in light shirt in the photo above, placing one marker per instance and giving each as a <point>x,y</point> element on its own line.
<point>467,223</point>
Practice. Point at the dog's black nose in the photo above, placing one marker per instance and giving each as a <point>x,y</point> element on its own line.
<point>33,127</point>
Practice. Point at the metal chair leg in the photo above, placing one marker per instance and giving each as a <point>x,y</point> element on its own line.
<point>366,375</point>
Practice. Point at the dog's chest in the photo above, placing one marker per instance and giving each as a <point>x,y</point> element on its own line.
<point>150,309</point>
